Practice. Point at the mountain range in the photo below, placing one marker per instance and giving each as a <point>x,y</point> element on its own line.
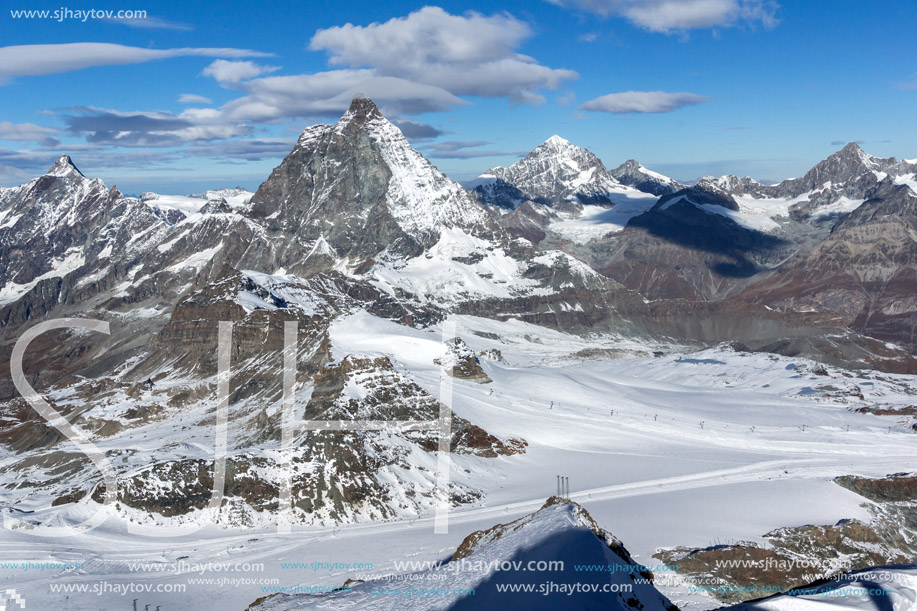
<point>356,229</point>
<point>839,240</point>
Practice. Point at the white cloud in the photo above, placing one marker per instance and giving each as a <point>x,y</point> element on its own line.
<point>153,23</point>
<point>33,60</point>
<point>416,131</point>
<point>191,98</point>
<point>266,99</point>
<point>231,72</point>
<point>24,132</point>
<point>329,93</point>
<point>463,149</point>
<point>464,55</point>
<point>643,101</point>
<point>12,176</point>
<point>424,62</point>
<point>103,126</point>
<point>668,15</point>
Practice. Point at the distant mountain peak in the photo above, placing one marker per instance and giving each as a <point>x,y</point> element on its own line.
<point>555,145</point>
<point>633,174</point>
<point>848,164</point>
<point>556,141</point>
<point>556,172</point>
<point>63,166</point>
<point>853,151</point>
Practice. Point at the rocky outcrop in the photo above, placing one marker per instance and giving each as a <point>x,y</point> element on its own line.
<point>685,247</point>
<point>355,219</point>
<point>797,556</point>
<point>461,362</point>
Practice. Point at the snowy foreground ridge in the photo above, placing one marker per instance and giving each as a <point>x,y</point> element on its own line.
<point>540,561</point>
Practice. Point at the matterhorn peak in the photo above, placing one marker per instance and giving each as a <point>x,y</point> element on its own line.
<point>362,110</point>
<point>361,177</point>
<point>63,166</point>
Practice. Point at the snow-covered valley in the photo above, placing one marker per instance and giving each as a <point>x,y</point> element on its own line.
<point>688,449</point>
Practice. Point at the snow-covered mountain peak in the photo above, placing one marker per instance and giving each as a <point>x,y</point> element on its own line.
<point>555,146</point>
<point>560,531</point>
<point>850,171</point>
<point>555,172</point>
<point>633,174</point>
<point>63,167</point>
<point>362,113</point>
<point>420,197</point>
<point>556,143</point>
<point>852,148</point>
<point>731,184</point>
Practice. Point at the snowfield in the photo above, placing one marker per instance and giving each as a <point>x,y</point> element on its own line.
<point>688,448</point>
<point>596,221</point>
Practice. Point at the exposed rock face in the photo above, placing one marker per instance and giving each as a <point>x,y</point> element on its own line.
<point>336,476</point>
<point>830,253</point>
<point>60,222</point>
<point>850,168</point>
<point>701,194</point>
<point>216,206</point>
<point>386,395</point>
<point>865,270</point>
<point>528,221</point>
<point>733,185</point>
<point>849,173</point>
<point>632,174</point>
<point>556,173</point>
<point>751,327</point>
<point>896,488</point>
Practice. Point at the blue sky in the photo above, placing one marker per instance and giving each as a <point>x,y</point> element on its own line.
<point>209,94</point>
